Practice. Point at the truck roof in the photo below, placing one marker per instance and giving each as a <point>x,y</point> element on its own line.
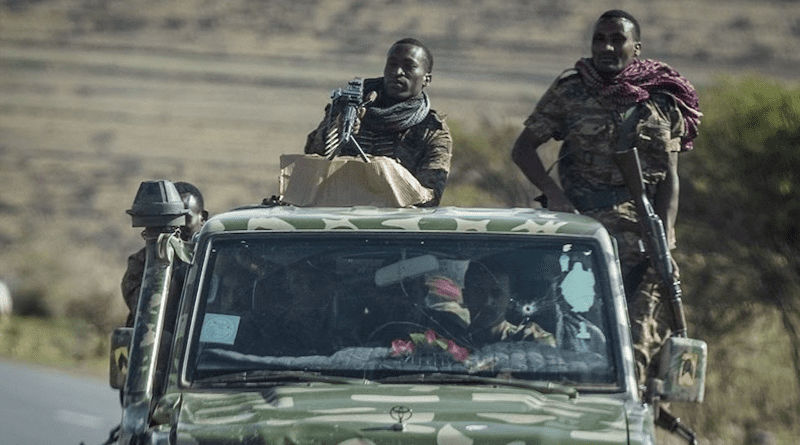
<point>439,219</point>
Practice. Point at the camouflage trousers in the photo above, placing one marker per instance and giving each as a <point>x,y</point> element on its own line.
<point>643,290</point>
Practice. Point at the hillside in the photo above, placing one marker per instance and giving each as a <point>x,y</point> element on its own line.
<point>98,95</point>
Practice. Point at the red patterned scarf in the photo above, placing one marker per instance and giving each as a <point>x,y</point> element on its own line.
<point>636,82</point>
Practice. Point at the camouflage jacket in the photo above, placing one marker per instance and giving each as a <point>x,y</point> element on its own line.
<point>424,149</point>
<point>589,129</point>
<point>131,286</point>
<point>132,283</point>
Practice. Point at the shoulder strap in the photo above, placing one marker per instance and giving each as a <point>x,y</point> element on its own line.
<point>626,130</point>
<point>566,74</point>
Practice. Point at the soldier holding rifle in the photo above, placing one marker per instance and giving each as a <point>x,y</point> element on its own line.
<point>394,119</point>
<point>612,102</point>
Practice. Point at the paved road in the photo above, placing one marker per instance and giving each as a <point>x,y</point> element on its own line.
<point>41,406</point>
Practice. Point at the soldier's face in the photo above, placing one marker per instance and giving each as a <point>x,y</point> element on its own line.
<point>614,45</point>
<point>195,218</point>
<point>404,75</point>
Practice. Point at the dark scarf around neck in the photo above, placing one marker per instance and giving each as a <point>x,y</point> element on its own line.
<point>638,80</point>
<point>398,117</point>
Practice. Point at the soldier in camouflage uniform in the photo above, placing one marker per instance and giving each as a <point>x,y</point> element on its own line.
<point>587,108</point>
<point>397,121</point>
<point>132,280</point>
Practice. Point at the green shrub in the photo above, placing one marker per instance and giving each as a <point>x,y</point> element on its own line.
<point>740,253</point>
<point>482,174</point>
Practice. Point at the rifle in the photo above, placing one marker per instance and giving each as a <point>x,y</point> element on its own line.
<point>345,103</point>
<point>669,422</point>
<point>656,237</point>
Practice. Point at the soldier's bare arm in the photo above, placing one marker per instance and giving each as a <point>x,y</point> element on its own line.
<point>526,156</point>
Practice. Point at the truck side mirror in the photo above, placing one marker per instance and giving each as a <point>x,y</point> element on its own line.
<point>118,364</point>
<point>683,369</point>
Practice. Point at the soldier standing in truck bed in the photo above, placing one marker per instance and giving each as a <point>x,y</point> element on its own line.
<point>585,108</point>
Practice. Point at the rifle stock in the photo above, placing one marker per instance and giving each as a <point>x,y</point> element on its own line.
<point>673,424</point>
<point>656,237</point>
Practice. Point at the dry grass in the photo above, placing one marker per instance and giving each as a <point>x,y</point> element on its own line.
<point>97,96</point>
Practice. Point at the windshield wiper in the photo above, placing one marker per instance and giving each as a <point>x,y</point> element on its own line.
<point>544,387</point>
<point>278,377</point>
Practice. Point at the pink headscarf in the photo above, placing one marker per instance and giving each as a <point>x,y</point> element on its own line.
<point>636,82</point>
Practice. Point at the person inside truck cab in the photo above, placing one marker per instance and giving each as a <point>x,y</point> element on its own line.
<point>397,121</point>
<point>467,302</point>
<point>487,295</point>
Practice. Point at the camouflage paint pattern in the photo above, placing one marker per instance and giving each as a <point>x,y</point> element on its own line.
<point>450,219</point>
<point>147,331</point>
<point>362,414</point>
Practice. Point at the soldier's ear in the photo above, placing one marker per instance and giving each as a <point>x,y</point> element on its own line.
<point>427,79</point>
<point>637,49</point>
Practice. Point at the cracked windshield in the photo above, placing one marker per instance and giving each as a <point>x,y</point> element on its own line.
<point>377,306</point>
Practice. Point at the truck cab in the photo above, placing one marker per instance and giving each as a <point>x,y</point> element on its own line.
<point>366,325</point>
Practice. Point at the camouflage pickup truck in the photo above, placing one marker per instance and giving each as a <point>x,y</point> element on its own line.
<point>363,325</point>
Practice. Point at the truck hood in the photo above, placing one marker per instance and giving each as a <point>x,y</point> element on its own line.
<point>423,414</point>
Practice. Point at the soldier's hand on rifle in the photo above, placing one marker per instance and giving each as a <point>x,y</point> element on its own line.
<point>362,110</point>
<point>357,123</point>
